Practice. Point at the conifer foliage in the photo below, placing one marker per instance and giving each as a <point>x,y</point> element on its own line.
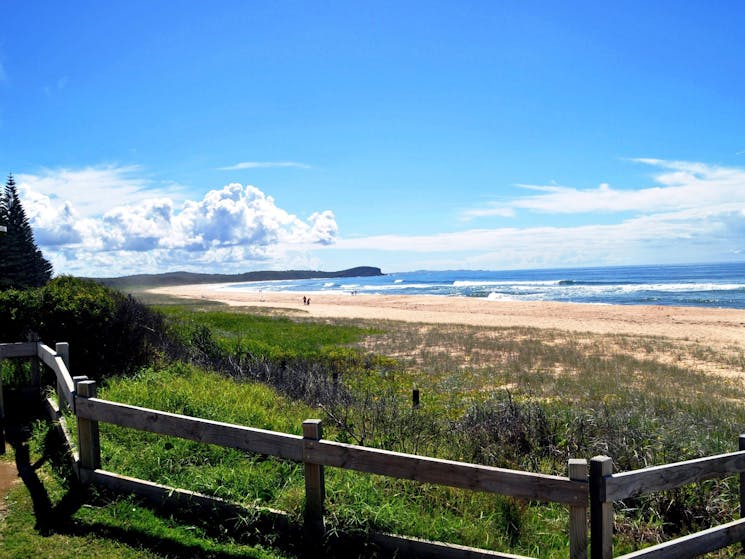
<point>22,264</point>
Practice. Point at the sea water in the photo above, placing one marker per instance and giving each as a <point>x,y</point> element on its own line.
<point>703,285</point>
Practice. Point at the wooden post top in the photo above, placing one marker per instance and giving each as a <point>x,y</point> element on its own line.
<point>86,388</point>
<point>313,429</point>
<point>606,461</point>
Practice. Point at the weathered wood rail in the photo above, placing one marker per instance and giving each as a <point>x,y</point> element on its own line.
<point>601,486</point>
<point>606,487</point>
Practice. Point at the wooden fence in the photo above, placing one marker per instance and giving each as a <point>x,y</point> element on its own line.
<point>601,486</point>
<point>606,487</point>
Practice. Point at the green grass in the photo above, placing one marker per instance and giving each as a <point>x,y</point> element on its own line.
<point>513,397</point>
<point>238,330</point>
<point>58,521</point>
<point>226,473</point>
<point>356,502</point>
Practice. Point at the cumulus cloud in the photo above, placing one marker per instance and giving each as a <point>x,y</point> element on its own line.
<point>94,190</point>
<point>234,227</point>
<point>689,212</point>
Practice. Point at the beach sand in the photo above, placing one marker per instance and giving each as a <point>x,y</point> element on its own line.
<point>714,326</point>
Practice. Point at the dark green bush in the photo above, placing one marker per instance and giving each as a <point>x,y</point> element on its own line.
<point>506,432</point>
<point>108,332</point>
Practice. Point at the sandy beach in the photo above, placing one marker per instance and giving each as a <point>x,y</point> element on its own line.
<point>725,326</point>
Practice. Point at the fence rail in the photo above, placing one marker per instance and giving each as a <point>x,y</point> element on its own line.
<point>669,476</point>
<point>249,439</point>
<point>606,487</point>
<point>513,483</point>
<point>602,486</point>
<point>20,349</point>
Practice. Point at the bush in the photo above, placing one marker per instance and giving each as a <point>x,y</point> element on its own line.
<point>507,433</point>
<point>108,332</point>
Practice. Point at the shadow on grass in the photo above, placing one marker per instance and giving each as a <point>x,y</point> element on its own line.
<point>59,517</point>
<point>22,411</point>
<point>221,528</point>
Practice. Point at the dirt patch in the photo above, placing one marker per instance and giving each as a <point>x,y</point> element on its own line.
<point>8,478</point>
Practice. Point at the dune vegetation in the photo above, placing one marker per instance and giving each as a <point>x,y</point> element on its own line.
<point>519,398</point>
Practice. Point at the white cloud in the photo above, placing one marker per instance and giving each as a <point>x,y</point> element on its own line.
<point>491,210</point>
<point>264,165</point>
<point>680,185</point>
<point>235,227</point>
<point>677,237</point>
<point>94,190</point>
<point>694,213</point>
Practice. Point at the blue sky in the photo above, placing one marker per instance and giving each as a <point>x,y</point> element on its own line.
<point>234,136</point>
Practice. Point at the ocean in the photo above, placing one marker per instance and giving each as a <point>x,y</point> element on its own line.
<point>703,285</point>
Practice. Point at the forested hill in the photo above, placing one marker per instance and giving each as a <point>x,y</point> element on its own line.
<point>187,278</point>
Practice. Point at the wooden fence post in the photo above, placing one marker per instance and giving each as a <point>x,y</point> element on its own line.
<point>35,379</point>
<point>601,511</point>
<point>578,513</point>
<point>63,350</point>
<point>2,409</point>
<point>741,446</point>
<point>315,487</point>
<point>89,446</point>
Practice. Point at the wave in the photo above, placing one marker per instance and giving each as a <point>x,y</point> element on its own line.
<point>399,287</point>
<point>613,287</point>
<point>474,283</point>
<point>494,296</point>
<point>709,286</point>
<point>669,287</point>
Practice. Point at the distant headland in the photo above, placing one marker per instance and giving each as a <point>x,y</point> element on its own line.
<point>190,278</point>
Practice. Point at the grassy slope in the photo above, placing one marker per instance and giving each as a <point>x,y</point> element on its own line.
<point>628,397</point>
<point>640,400</point>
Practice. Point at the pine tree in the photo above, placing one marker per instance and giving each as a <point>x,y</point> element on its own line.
<point>5,280</point>
<point>22,264</point>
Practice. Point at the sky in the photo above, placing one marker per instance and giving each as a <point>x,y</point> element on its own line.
<point>231,136</point>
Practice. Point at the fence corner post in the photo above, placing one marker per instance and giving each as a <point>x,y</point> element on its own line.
<point>578,513</point>
<point>315,486</point>
<point>2,409</point>
<point>89,446</point>
<point>601,511</point>
<point>63,350</point>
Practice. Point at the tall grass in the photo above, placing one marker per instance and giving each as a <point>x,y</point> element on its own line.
<point>530,398</point>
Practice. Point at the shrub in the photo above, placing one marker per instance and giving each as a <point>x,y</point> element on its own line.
<point>108,332</point>
<point>506,432</point>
